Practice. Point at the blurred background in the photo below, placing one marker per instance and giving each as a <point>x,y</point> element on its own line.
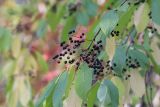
<point>30,34</point>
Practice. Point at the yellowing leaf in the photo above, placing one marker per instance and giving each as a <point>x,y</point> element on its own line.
<point>120,85</point>
<point>24,91</point>
<point>73,100</point>
<point>137,83</point>
<point>30,64</point>
<point>8,68</point>
<point>110,47</point>
<point>141,18</point>
<point>20,92</point>
<point>16,46</point>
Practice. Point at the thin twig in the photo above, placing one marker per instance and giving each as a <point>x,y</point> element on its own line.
<point>93,39</point>
<point>124,2</point>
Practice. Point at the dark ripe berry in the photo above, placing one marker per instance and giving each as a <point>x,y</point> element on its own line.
<point>65,52</point>
<point>99,42</point>
<point>126,78</point>
<point>73,31</point>
<point>82,33</point>
<point>68,57</point>
<point>129,57</point>
<point>61,54</point>
<point>60,58</point>
<point>94,46</point>
<point>112,34</point>
<point>155,29</point>
<point>114,74</point>
<point>70,32</point>
<point>68,49</point>
<point>70,62</point>
<point>111,68</point>
<point>64,48</point>
<point>126,60</point>
<point>129,75</point>
<point>97,73</point>
<point>114,64</point>
<point>115,32</point>
<point>108,61</point>
<point>73,60</point>
<point>101,70</point>
<point>124,70</point>
<point>80,36</point>
<point>129,3</point>
<point>77,63</point>
<point>70,53</point>
<point>65,62</point>
<point>62,43</point>
<point>137,3</point>
<point>71,41</point>
<point>58,61</point>
<point>74,51</point>
<point>70,38</point>
<point>55,57</point>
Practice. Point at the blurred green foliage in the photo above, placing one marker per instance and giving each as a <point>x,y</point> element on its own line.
<point>31,31</point>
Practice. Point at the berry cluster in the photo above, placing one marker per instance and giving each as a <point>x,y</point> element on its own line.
<point>152,29</point>
<point>91,58</point>
<point>69,50</point>
<point>149,14</point>
<point>132,63</point>
<point>114,33</point>
<point>72,54</point>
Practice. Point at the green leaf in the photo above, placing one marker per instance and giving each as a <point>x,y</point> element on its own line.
<point>5,39</point>
<point>124,7</point>
<point>42,28</point>
<point>155,7</point>
<point>91,7</point>
<point>140,56</point>
<point>71,76</point>
<point>125,19</point>
<point>82,18</point>
<point>53,18</point>
<point>68,25</point>
<point>83,81</point>
<point>146,43</point>
<point>42,63</point>
<point>59,91</point>
<point>120,59</point>
<point>141,18</point>
<point>102,93</point>
<point>108,22</point>
<point>113,93</point>
<point>46,94</point>
<point>108,94</point>
<point>92,95</point>
<point>91,33</point>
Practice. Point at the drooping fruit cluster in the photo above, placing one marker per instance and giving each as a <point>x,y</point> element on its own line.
<point>132,63</point>
<point>68,55</point>
<point>72,53</point>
